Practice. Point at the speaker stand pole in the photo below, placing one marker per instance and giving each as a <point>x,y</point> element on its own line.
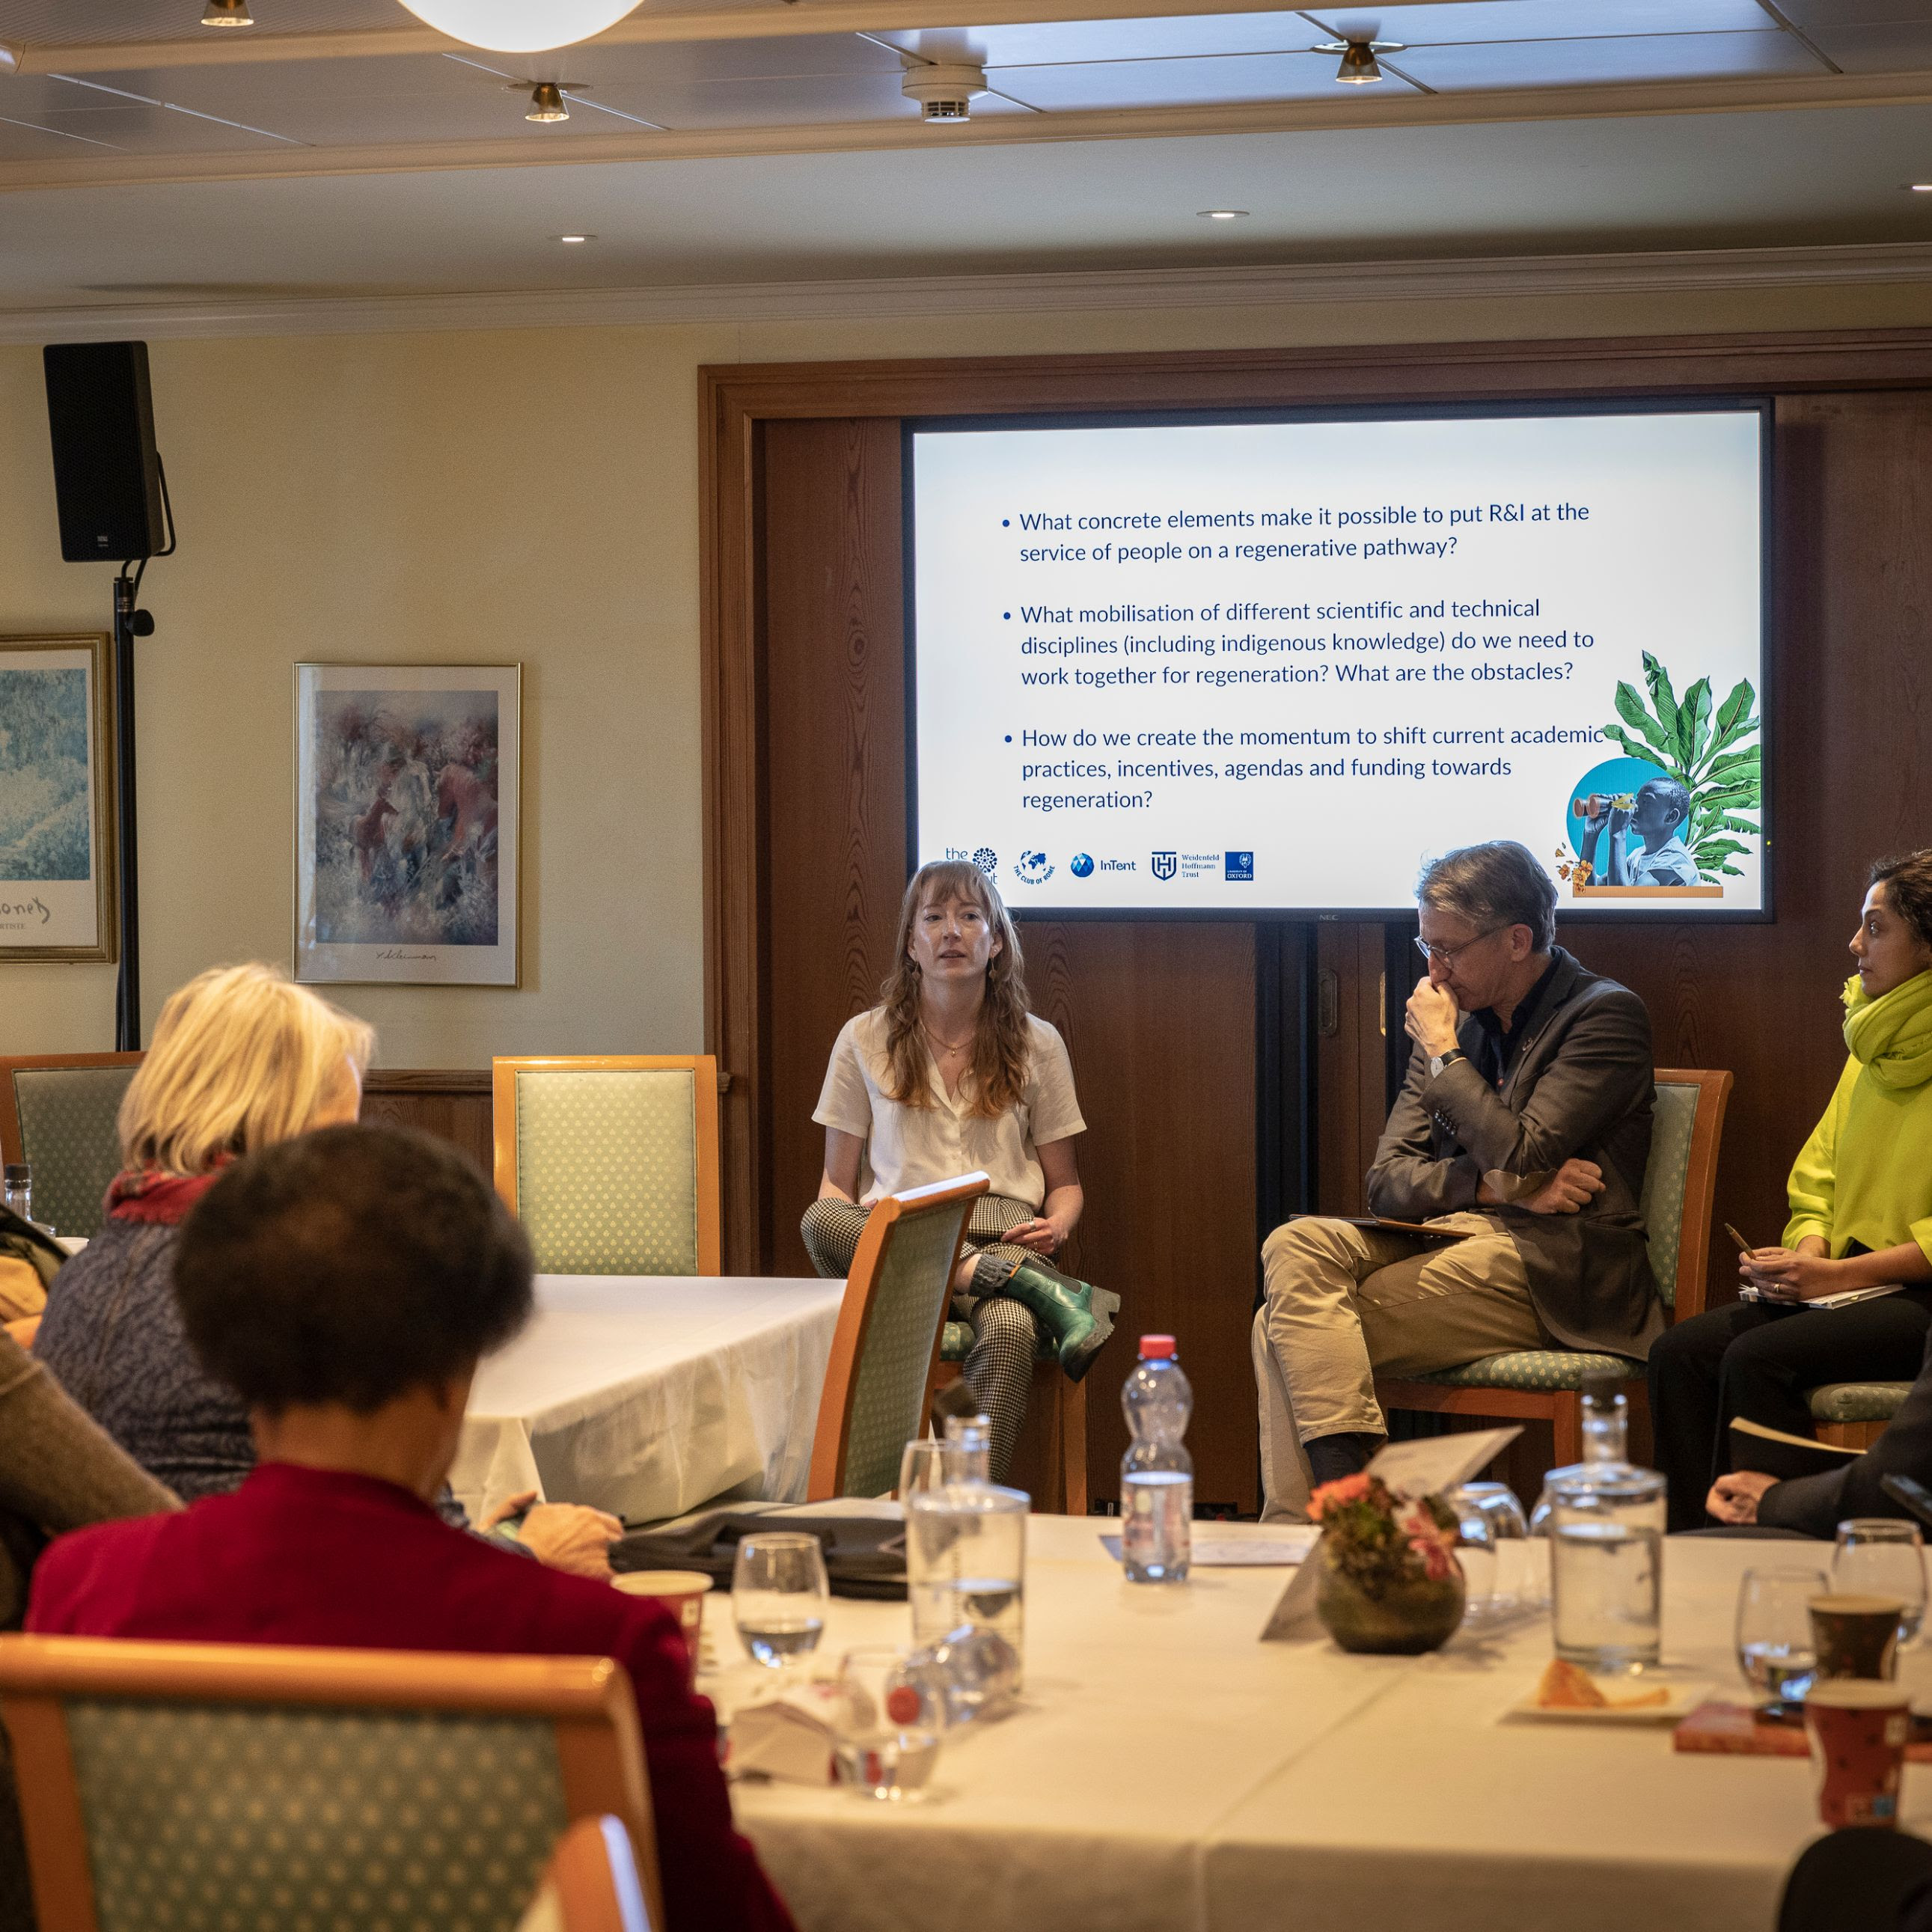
<point>127,992</point>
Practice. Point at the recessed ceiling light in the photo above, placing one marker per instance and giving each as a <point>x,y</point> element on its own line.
<point>1222,213</point>
<point>576,238</point>
<point>1918,187</point>
<point>227,13</point>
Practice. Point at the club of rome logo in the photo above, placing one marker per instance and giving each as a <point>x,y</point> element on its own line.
<point>1081,865</point>
<point>1166,864</point>
<point>1030,868</point>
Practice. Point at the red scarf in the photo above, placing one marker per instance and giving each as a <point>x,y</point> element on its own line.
<point>141,1194</point>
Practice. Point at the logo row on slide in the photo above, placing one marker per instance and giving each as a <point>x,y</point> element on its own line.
<point>1035,868</point>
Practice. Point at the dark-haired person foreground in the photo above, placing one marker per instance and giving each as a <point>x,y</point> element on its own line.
<point>347,1283</point>
<point>1524,1124</point>
<point>1860,1197</point>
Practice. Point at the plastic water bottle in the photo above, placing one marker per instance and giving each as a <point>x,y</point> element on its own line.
<point>18,1191</point>
<point>1157,1473</point>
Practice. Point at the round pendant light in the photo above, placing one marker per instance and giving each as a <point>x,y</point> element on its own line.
<point>520,26</point>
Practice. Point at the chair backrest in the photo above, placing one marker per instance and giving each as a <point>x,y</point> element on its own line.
<point>592,1885</point>
<point>885,1351</point>
<point>610,1160</point>
<point>57,1113</point>
<point>239,1788</point>
<point>1681,1182</point>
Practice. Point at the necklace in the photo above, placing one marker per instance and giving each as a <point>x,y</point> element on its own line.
<point>946,1045</point>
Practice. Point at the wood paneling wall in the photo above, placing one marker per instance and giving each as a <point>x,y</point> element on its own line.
<point>805,807</point>
<point>453,1104</point>
<point>1155,1015</point>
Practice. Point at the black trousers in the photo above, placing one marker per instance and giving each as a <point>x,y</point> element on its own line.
<point>1754,1360</point>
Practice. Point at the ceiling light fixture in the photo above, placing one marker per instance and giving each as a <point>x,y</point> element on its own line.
<point>228,13</point>
<point>520,26</point>
<point>1359,66</point>
<point>575,238</point>
<point>547,103</point>
<point>1222,213</point>
<point>1918,187</point>
<point>944,91</point>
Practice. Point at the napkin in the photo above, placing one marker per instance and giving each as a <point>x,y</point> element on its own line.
<point>788,1737</point>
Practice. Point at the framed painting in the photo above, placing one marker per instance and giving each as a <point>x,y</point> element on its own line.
<point>408,824</point>
<point>59,893</point>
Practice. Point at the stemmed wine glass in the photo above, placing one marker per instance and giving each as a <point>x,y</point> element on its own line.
<point>778,1596</point>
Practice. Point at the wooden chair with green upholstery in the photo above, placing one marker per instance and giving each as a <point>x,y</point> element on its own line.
<point>593,1885</point>
<point>1050,1458</point>
<point>58,1113</point>
<point>1679,1185</point>
<point>885,1351</point>
<point>610,1160</point>
<point>255,1787</point>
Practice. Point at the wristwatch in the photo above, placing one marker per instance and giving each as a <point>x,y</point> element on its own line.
<point>1443,1059</point>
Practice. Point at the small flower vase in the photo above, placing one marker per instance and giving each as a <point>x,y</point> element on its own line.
<point>1417,1614</point>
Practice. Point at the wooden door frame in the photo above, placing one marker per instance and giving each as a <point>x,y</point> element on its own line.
<point>734,399</point>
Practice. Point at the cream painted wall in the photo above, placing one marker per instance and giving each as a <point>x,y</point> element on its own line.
<point>487,496</point>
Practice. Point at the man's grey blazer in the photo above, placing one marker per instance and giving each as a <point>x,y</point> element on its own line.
<point>1581,1088</point>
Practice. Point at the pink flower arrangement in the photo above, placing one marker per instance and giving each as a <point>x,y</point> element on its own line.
<point>1380,1539</point>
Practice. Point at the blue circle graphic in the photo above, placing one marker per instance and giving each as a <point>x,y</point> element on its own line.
<point>1082,865</point>
<point>1613,776</point>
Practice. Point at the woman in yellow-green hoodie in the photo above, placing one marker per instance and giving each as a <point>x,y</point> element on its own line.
<point>1861,1193</point>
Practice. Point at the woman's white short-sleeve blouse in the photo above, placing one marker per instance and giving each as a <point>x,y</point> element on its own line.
<point>912,1147</point>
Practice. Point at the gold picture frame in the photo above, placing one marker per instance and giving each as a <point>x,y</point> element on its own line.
<point>78,911</point>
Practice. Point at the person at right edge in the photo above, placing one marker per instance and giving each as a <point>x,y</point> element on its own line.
<point>1523,1126</point>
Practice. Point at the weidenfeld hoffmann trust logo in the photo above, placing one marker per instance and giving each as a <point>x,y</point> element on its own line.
<point>1166,864</point>
<point>1081,865</point>
<point>1031,869</point>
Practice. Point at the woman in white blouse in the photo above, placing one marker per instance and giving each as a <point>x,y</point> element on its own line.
<point>951,1072</point>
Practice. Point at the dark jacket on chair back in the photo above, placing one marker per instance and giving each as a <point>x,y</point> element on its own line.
<point>1579,1087</point>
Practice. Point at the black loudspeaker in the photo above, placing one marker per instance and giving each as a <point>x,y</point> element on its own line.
<point>107,478</point>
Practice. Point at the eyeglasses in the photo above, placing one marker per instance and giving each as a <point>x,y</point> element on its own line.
<point>1446,956</point>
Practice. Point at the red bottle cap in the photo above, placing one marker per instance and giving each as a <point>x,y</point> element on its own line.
<point>1154,1348</point>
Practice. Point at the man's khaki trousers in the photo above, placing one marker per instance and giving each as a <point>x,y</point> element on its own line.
<point>1345,1303</point>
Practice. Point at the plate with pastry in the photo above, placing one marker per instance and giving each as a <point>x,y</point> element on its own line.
<point>1568,1694</point>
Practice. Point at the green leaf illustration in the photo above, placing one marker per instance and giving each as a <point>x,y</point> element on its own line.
<point>1631,708</point>
<point>1693,719</point>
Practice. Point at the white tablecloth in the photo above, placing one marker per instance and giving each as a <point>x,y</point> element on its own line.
<point>1173,1774</point>
<point>649,1395</point>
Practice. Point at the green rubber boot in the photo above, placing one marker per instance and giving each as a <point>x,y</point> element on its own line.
<point>1078,1317</point>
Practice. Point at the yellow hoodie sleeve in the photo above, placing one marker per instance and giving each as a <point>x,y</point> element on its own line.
<point>1813,1185</point>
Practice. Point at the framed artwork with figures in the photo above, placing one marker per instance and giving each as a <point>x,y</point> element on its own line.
<point>408,824</point>
<point>59,898</point>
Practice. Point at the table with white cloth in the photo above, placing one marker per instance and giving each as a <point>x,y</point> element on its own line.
<point>647,1395</point>
<point>1169,1773</point>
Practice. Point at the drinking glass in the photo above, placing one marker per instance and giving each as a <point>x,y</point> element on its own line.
<point>1883,1556</point>
<point>778,1595</point>
<point>972,1436</point>
<point>1494,1549</point>
<point>1776,1649</point>
<point>887,1716</point>
<point>927,1464</point>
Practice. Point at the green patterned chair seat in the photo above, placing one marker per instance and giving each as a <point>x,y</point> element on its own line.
<point>69,1137</point>
<point>1858,1401</point>
<point>1542,1369</point>
<point>201,1819</point>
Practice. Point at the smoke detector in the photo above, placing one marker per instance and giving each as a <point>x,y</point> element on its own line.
<point>944,92</point>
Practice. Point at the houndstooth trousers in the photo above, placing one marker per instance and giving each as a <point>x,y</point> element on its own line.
<point>999,1366</point>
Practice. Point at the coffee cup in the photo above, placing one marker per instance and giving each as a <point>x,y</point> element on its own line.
<point>1858,1728</point>
<point>1856,1635</point>
<point>681,1591</point>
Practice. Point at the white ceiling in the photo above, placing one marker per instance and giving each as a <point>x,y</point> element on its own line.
<point>143,156</point>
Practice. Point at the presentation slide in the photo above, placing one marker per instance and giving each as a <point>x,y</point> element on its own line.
<point>1280,666</point>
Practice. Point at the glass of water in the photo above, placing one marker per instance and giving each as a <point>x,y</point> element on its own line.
<point>1883,1556</point>
<point>887,1717</point>
<point>1776,1650</point>
<point>928,1464</point>
<point>1494,1549</point>
<point>778,1596</point>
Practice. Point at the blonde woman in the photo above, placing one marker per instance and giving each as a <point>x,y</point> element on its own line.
<point>241,1059</point>
<point>951,1072</point>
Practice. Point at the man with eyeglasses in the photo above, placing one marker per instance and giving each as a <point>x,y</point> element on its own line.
<point>1520,1136</point>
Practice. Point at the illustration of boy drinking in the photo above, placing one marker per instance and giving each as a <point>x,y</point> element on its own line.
<point>1656,817</point>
